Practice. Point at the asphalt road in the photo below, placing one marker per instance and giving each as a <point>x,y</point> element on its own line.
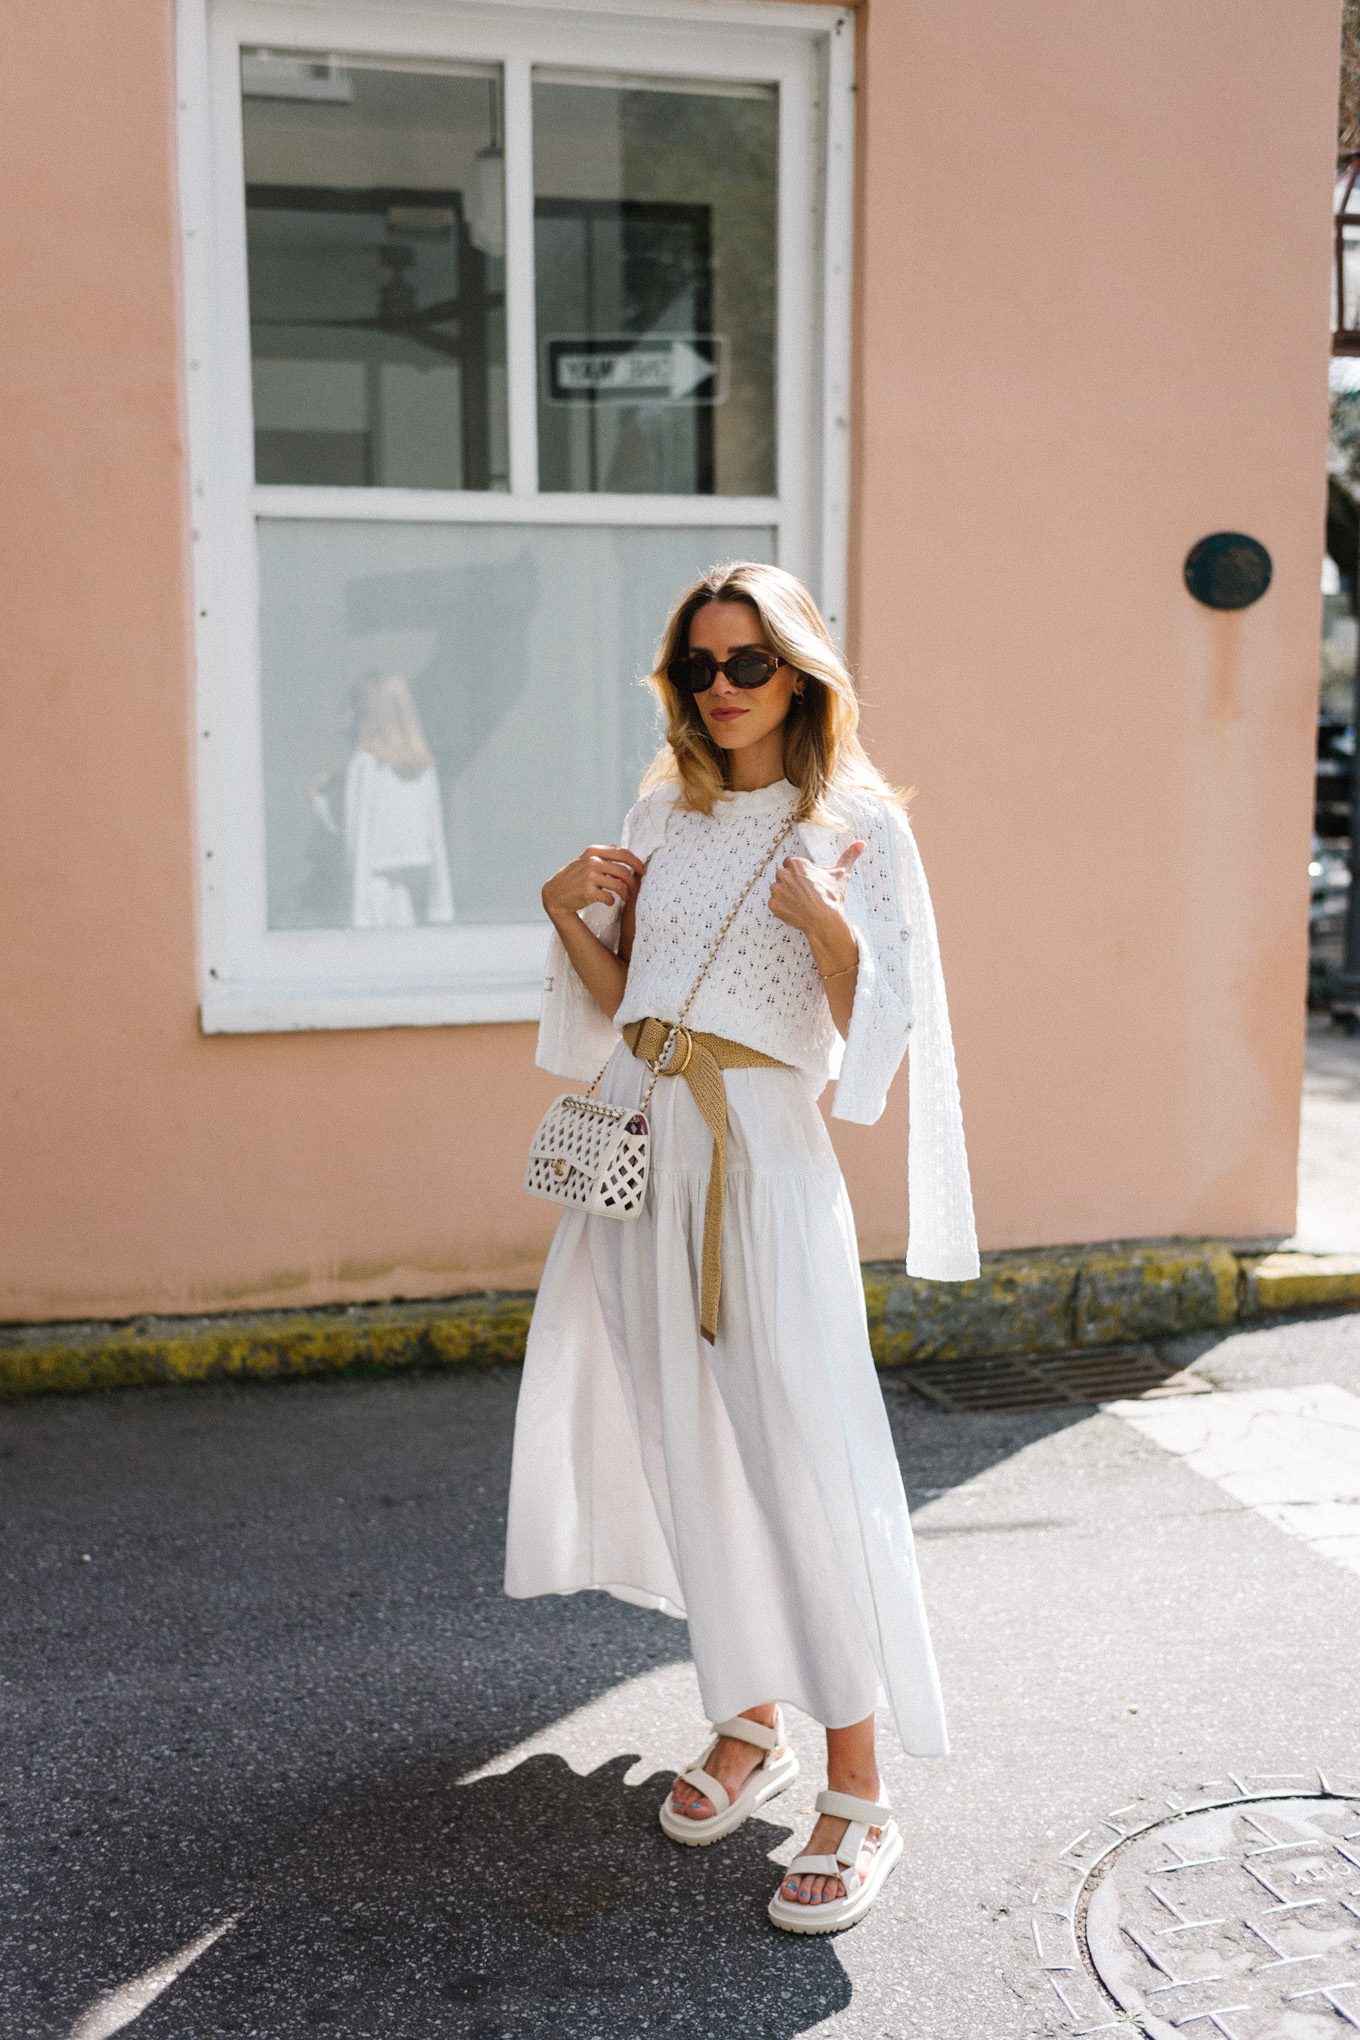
<point>280,1759</point>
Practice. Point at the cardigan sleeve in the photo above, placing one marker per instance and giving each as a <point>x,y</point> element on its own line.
<point>900,1008</point>
<point>881,1017</point>
<point>575,1039</point>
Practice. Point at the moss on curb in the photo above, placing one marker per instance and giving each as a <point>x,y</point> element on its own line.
<point>1026,1300</point>
<point>462,1331</point>
<point>1047,1299</point>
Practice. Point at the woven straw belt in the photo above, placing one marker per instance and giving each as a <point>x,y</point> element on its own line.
<point>701,1059</point>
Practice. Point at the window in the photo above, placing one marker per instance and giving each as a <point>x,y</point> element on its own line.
<point>375,245</point>
<point>502,326</point>
<point>655,266</point>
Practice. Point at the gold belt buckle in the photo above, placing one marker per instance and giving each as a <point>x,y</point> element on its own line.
<point>671,1068</point>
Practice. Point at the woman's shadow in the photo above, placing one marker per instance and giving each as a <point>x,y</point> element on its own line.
<point>531,1902</point>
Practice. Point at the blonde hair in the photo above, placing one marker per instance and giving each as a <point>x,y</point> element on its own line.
<point>823,755</point>
<point>387,724</point>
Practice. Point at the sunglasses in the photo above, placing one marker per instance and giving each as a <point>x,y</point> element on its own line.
<point>750,666</point>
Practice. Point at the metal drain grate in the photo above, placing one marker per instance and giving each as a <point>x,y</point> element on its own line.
<point>1035,1381</point>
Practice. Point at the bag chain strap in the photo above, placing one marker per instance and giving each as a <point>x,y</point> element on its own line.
<point>657,1064</point>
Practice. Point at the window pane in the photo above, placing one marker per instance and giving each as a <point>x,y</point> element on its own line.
<point>375,230</point>
<point>504,724</point>
<point>655,252</point>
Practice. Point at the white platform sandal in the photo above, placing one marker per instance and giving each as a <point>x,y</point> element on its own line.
<point>771,1775</point>
<point>860,1891</point>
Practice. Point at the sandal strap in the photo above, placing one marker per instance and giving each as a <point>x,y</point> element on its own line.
<point>712,1788</point>
<point>829,1866</point>
<point>844,1806</point>
<point>847,1850</point>
<point>750,1731</point>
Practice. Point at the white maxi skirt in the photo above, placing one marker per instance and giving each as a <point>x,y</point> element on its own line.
<point>751,1486</point>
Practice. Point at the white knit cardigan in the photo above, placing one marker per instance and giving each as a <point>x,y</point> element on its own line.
<point>897,1011</point>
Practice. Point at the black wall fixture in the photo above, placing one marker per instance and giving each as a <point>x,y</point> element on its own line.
<point>1227,570</point>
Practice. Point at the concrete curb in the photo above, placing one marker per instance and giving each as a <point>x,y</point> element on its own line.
<point>1026,1300</point>
<point>1049,1299</point>
<point>1302,1281</point>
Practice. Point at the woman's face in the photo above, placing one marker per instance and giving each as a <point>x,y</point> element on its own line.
<point>738,716</point>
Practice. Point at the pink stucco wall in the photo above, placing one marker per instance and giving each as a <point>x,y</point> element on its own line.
<point>1091,327</point>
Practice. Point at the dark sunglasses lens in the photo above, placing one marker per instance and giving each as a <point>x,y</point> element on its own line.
<point>692,671</point>
<point>752,669</point>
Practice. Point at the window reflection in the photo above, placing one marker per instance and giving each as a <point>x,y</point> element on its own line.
<point>654,251</point>
<point>375,233</point>
<point>380,860</point>
<point>513,657</point>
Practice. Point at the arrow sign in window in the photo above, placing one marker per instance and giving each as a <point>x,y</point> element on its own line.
<point>671,368</point>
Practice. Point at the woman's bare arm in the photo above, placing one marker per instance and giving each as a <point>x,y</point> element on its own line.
<point>602,872</point>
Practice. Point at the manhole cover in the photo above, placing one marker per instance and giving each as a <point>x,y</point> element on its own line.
<point>1026,1381</point>
<point>1234,1910</point>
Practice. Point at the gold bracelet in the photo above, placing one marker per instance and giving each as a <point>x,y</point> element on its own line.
<point>827,975</point>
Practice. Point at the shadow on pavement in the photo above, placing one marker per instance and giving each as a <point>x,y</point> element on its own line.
<point>251,1639</point>
<point>529,1903</point>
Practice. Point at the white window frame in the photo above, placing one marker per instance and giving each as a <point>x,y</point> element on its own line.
<point>256,979</point>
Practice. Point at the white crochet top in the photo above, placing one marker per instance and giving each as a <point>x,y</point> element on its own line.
<point>763,989</point>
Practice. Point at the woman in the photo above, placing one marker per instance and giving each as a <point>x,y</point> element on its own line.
<point>700,1427</point>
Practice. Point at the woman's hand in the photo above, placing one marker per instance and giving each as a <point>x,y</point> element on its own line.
<point>811,896</point>
<point>603,871</point>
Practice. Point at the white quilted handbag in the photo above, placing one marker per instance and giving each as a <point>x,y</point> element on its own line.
<point>591,1155</point>
<point>596,1156</point>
